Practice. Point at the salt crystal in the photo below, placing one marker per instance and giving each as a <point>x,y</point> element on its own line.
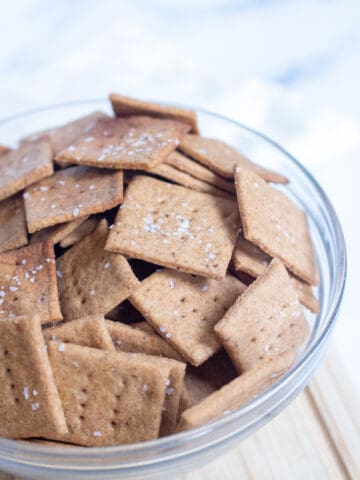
<point>145,388</point>
<point>76,212</point>
<point>61,347</point>
<point>97,433</point>
<point>35,406</point>
<point>26,393</point>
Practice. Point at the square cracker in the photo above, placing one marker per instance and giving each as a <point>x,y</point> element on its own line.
<point>13,233</point>
<point>222,159</point>
<point>196,170</point>
<point>108,398</point>
<point>24,166</point>
<point>237,393</point>
<point>248,258</point>
<point>173,174</point>
<point>57,232</point>
<point>63,136</point>
<point>70,194</point>
<point>266,320</point>
<point>170,225</point>
<point>28,283</point>
<point>193,306</point>
<point>276,225</point>
<point>132,142</point>
<point>81,231</point>
<point>88,331</point>
<point>125,106</point>
<point>92,280</point>
<point>30,405</point>
<point>131,340</point>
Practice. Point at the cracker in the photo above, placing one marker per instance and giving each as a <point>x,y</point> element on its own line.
<point>266,320</point>
<point>30,405</point>
<point>196,170</point>
<point>88,331</point>
<point>91,280</point>
<point>13,233</point>
<point>248,258</point>
<point>276,225</point>
<point>63,136</point>
<point>57,232</point>
<point>237,393</point>
<point>125,106</point>
<point>108,398</point>
<point>131,340</point>
<point>85,228</point>
<point>202,381</point>
<point>3,150</point>
<point>171,226</point>
<point>186,180</point>
<point>24,166</point>
<point>132,142</point>
<point>28,283</point>
<point>222,159</point>
<point>71,194</point>
<point>193,306</point>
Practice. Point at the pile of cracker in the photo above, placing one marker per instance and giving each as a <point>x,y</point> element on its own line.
<point>151,279</point>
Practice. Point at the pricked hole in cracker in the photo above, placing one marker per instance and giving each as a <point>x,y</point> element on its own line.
<point>83,301</point>
<point>215,299</point>
<point>115,411</point>
<point>194,310</point>
<point>182,300</point>
<point>82,418</point>
<point>82,405</point>
<point>12,386</point>
<point>83,390</point>
<point>6,352</point>
<point>15,299</point>
<point>113,424</point>
<point>253,340</point>
<point>279,335</point>
<point>291,325</point>
<point>262,329</point>
<point>8,370</point>
<point>261,357</point>
<point>16,400</point>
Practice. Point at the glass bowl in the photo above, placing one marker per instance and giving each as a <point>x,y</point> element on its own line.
<point>184,451</point>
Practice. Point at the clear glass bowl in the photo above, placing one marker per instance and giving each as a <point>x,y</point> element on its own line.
<point>177,453</point>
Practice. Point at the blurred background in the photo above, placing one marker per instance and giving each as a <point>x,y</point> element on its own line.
<point>290,69</point>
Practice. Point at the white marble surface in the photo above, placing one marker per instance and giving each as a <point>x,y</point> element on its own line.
<point>288,68</point>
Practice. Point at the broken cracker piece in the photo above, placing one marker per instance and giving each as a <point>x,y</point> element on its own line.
<point>266,320</point>
<point>125,106</point>
<point>237,393</point>
<point>88,331</point>
<point>27,164</point>
<point>13,233</point>
<point>133,142</point>
<point>92,280</point>
<point>193,306</point>
<point>222,159</point>
<point>196,170</point>
<point>71,194</point>
<point>276,225</point>
<point>28,283</point>
<point>171,226</point>
<point>81,231</point>
<point>109,398</point>
<point>131,340</point>
<point>30,404</point>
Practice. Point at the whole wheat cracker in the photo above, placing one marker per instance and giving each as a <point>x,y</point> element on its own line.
<point>57,232</point>
<point>108,398</point>
<point>266,320</point>
<point>125,106</point>
<point>237,393</point>
<point>85,228</point>
<point>212,375</point>
<point>30,405</point>
<point>193,306</point>
<point>64,135</point>
<point>13,233</point>
<point>222,159</point>
<point>174,384</point>
<point>88,331</point>
<point>28,283</point>
<point>174,175</point>
<point>276,225</point>
<point>92,280</point>
<point>27,164</point>
<point>71,194</point>
<point>196,170</point>
<point>248,258</point>
<point>131,142</point>
<point>132,340</point>
<point>170,225</point>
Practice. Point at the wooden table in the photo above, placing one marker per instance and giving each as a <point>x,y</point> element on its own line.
<point>316,437</point>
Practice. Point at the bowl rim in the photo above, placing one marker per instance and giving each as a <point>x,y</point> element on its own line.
<point>10,447</point>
